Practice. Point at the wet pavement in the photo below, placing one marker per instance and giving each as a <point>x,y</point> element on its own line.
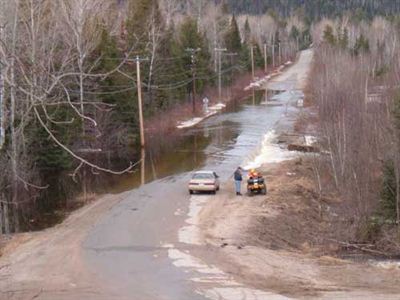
<point>129,247</point>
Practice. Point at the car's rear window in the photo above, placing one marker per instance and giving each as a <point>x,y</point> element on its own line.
<point>203,176</point>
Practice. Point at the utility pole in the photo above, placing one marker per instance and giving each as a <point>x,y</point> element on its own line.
<point>252,62</point>
<point>273,51</point>
<point>280,53</point>
<point>140,102</point>
<point>231,55</point>
<point>219,51</point>
<point>273,55</point>
<point>193,69</point>
<point>265,58</point>
<point>2,114</point>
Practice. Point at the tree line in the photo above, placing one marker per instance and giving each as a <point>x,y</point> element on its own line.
<point>68,109</point>
<point>318,9</point>
<point>355,86</point>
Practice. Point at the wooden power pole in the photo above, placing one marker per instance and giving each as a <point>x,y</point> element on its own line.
<point>219,51</point>
<point>2,113</point>
<point>193,68</point>
<point>265,58</point>
<point>280,53</point>
<point>140,102</point>
<point>252,62</point>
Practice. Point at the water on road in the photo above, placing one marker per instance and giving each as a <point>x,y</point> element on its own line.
<point>129,248</point>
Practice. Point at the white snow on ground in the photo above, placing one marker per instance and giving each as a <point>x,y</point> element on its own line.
<point>212,110</point>
<point>225,287</point>
<point>194,121</point>
<point>310,140</point>
<point>388,264</point>
<point>228,288</point>
<point>288,95</point>
<point>242,293</point>
<point>269,152</point>
<point>190,234</point>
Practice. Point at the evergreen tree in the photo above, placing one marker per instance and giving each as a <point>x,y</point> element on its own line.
<point>294,33</point>
<point>343,39</point>
<point>191,38</point>
<point>172,71</point>
<point>232,38</point>
<point>361,45</point>
<point>139,16</point>
<point>258,56</point>
<point>329,36</point>
<point>118,91</point>
<point>247,32</point>
<point>388,192</point>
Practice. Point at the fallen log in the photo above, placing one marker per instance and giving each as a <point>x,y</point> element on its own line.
<point>303,148</point>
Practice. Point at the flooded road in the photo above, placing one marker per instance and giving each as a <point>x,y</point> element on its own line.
<point>220,142</point>
<point>130,243</point>
<point>129,246</point>
<point>137,247</point>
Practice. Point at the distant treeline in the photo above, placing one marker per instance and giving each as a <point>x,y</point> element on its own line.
<point>316,9</point>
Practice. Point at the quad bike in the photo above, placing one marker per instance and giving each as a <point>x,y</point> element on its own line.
<point>256,185</point>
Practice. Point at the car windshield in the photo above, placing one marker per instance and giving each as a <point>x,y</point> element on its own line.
<point>203,176</point>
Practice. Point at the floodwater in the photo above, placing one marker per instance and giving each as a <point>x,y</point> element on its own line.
<point>224,141</point>
<point>128,247</point>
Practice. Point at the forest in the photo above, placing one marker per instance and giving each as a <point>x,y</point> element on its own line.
<point>318,9</point>
<point>69,103</point>
<point>69,112</point>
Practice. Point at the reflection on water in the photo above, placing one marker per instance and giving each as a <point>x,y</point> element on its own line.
<point>220,142</point>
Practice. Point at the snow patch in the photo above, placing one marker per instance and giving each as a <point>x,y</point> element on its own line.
<point>387,265</point>
<point>212,110</point>
<point>269,152</point>
<point>310,140</point>
<point>228,288</point>
<point>190,234</point>
<point>241,293</point>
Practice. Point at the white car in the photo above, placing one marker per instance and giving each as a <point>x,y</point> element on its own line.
<point>204,181</point>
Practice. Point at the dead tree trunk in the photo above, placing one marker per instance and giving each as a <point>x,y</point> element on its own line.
<point>13,111</point>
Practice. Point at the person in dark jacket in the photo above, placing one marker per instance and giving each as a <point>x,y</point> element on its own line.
<point>238,180</point>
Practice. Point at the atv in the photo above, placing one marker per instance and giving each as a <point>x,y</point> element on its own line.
<point>256,185</point>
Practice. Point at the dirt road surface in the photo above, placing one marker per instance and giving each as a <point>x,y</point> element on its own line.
<point>157,242</point>
<point>49,264</point>
<point>263,242</point>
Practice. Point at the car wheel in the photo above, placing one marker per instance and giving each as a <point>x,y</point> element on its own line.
<point>190,192</point>
<point>264,191</point>
<point>218,188</point>
<point>213,192</point>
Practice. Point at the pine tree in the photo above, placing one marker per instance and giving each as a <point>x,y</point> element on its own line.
<point>343,40</point>
<point>329,36</point>
<point>232,38</point>
<point>172,71</point>
<point>361,45</point>
<point>118,91</point>
<point>388,192</point>
<point>247,32</point>
<point>139,12</point>
<point>191,38</point>
<point>258,56</point>
<point>294,33</point>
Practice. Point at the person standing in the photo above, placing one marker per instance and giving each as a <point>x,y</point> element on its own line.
<point>238,180</point>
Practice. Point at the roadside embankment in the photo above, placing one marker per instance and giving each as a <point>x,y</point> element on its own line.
<point>281,242</point>
<point>285,242</point>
